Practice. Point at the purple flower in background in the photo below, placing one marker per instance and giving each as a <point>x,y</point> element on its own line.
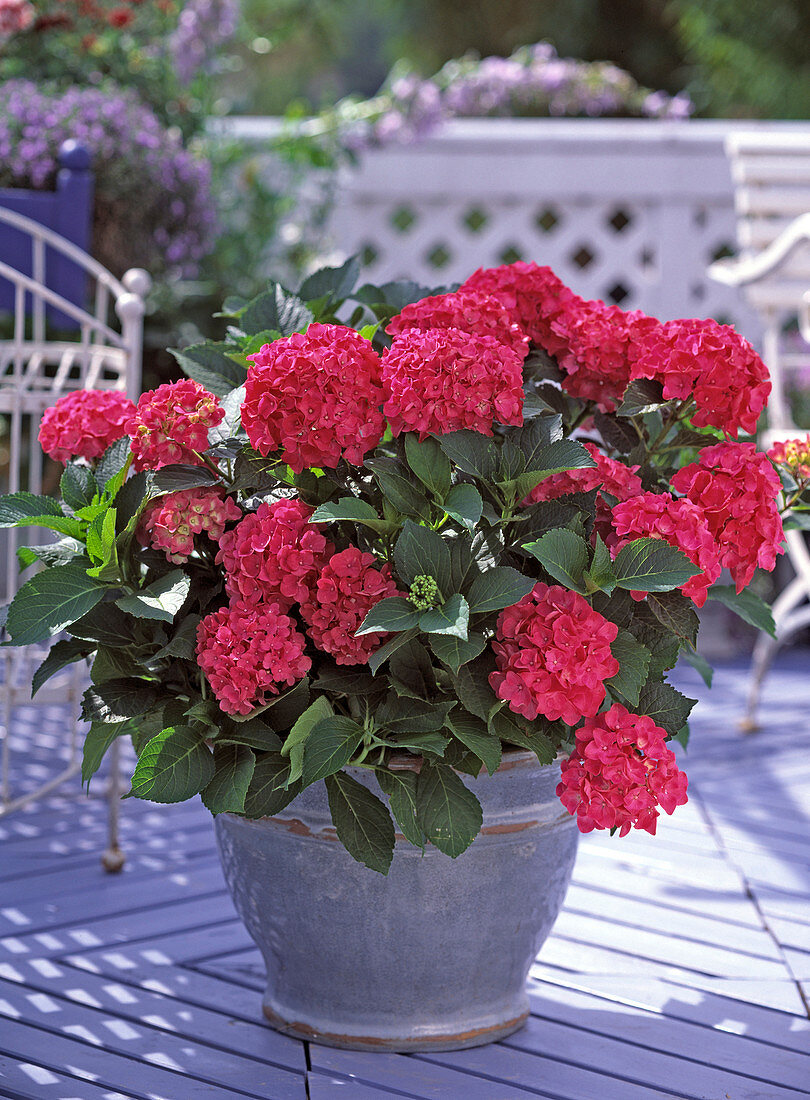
<point>154,206</point>
<point>202,28</point>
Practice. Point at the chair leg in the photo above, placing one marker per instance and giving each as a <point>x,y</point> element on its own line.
<point>788,619</point>
<point>113,859</point>
<point>765,650</point>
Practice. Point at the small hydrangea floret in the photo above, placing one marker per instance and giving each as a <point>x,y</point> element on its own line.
<point>83,424</point>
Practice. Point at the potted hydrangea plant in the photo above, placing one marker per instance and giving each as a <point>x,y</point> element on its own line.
<point>397,596</point>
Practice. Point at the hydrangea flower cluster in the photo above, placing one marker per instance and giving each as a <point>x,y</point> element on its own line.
<point>83,424</point>
<point>680,523</point>
<point>736,488</point>
<point>317,396</point>
<point>620,772</point>
<point>444,379</point>
<point>533,295</point>
<point>249,652</point>
<point>348,586</point>
<point>466,310</point>
<point>171,424</point>
<point>171,522</point>
<point>274,554</point>
<point>154,206</point>
<point>794,455</point>
<point>711,363</point>
<point>553,655</point>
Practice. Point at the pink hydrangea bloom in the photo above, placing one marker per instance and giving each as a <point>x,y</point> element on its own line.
<point>736,489</point>
<point>445,379</point>
<point>171,423</point>
<point>83,424</point>
<point>274,554</point>
<point>620,772</point>
<point>170,522</point>
<point>534,296</point>
<point>470,311</point>
<point>552,652</point>
<point>348,586</point>
<point>680,523</point>
<point>248,652</point>
<point>317,396</point>
<point>15,16</point>
<point>598,338</point>
<point>794,455</point>
<point>727,378</point>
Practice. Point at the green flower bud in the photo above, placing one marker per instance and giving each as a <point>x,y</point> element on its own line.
<point>424,593</point>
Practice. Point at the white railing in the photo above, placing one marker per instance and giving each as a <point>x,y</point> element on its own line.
<point>631,211</point>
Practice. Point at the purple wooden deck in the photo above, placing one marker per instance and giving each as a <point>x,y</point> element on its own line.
<point>680,965</point>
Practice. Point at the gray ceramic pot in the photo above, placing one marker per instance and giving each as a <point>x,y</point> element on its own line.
<point>432,957</point>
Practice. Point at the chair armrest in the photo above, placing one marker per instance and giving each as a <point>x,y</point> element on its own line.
<point>751,269</point>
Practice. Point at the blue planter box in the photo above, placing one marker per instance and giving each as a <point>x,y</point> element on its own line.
<point>68,211</point>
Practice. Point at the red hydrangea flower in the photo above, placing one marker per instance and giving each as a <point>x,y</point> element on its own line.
<point>727,378</point>
<point>83,424</point>
<point>171,423</point>
<point>349,585</point>
<point>534,296</point>
<point>680,523</point>
<point>620,772</point>
<point>274,554</point>
<point>552,652</point>
<point>736,489</point>
<point>794,455</point>
<point>598,338</point>
<point>445,379</point>
<point>171,522</point>
<point>470,311</point>
<point>248,652</point>
<point>316,395</point>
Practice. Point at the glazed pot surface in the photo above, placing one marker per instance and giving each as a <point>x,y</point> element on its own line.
<point>433,956</point>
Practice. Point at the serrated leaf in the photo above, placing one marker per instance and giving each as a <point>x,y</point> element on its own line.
<point>50,601</point>
<point>211,366</point>
<point>61,655</point>
<point>63,525</point>
<point>652,565</point>
<point>747,604</point>
<point>335,282</point>
<point>601,573</point>
<point>700,664</point>
<point>448,813</point>
<point>634,664</point>
<point>293,746</point>
<point>17,506</point>
<point>399,491</point>
<point>464,504</point>
<point>472,452</point>
<point>160,600</point>
<point>455,652</point>
<point>497,588</point>
<point>77,486</point>
<point>400,786</point>
<point>120,699</point>
<point>535,436</point>
<point>104,625</point>
<point>358,511</point>
<point>381,655</point>
<point>396,715</point>
<point>268,793</point>
<point>391,614</point>
<point>563,555</point>
<point>667,707</point>
<point>277,309</point>
<point>473,733</point>
<point>541,738</point>
<point>112,462</point>
<point>422,552</point>
<point>51,553</point>
<point>174,765</point>
<point>420,743</point>
<point>452,618</point>
<point>641,396</point>
<point>227,789</point>
<point>331,743</point>
<point>471,684</point>
<point>364,826</point>
<point>566,454</point>
<point>96,742</point>
<point>429,463</point>
<point>676,613</point>
<point>177,476</point>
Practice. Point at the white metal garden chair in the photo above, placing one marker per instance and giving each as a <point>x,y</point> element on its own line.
<point>771,174</point>
<point>49,347</point>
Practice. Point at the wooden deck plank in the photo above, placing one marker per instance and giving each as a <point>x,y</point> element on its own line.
<point>30,1081</point>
